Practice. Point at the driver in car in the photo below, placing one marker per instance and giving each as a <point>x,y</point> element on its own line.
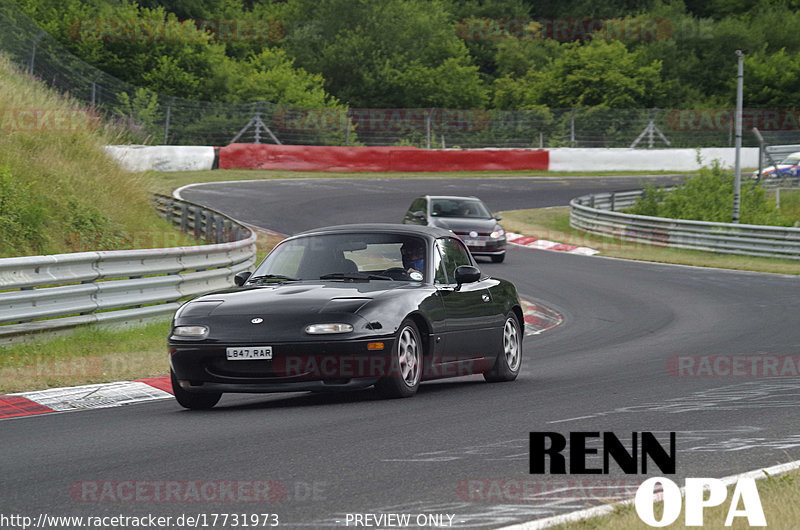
<point>413,259</point>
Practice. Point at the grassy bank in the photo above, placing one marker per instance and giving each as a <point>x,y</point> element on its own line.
<point>59,192</point>
<point>553,224</point>
<point>89,355</point>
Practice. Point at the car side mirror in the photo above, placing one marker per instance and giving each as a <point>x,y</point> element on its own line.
<point>241,278</point>
<point>467,274</point>
<point>498,217</point>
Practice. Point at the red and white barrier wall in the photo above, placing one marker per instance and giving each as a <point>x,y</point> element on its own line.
<point>341,158</point>
<point>327,158</point>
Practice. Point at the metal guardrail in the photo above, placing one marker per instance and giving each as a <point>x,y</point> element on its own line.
<point>57,292</point>
<point>596,214</point>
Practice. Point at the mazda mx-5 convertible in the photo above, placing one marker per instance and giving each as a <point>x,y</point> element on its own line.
<point>348,307</point>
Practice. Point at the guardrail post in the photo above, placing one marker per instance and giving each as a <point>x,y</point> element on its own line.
<point>613,200</point>
<point>184,217</point>
<point>197,221</point>
<point>218,228</point>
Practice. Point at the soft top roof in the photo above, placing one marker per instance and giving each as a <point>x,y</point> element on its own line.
<point>377,228</point>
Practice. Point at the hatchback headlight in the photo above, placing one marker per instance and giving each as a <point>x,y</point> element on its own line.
<point>325,329</point>
<point>190,332</point>
<point>498,233</point>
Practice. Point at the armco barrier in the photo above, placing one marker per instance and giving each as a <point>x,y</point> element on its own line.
<point>52,293</point>
<point>595,214</point>
<point>325,158</point>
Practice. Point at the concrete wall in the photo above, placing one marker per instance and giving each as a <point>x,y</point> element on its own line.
<point>162,157</point>
<point>624,159</point>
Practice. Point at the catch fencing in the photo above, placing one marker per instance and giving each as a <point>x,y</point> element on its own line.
<point>599,214</point>
<point>58,292</point>
<point>157,118</point>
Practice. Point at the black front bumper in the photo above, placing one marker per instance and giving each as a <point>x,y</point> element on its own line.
<point>317,366</point>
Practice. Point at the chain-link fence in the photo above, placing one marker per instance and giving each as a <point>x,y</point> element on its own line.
<point>161,119</point>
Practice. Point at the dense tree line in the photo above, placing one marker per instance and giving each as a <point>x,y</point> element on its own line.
<point>485,54</point>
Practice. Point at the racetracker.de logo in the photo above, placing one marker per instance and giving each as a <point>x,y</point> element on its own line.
<point>174,30</point>
<point>49,120</point>
<point>723,120</point>
<point>178,491</point>
<point>760,365</point>
<point>565,29</point>
<point>515,490</point>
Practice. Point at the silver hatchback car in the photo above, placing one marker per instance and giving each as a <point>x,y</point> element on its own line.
<point>467,217</point>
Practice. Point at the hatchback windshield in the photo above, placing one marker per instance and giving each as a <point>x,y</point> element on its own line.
<point>471,208</point>
<point>357,256</point>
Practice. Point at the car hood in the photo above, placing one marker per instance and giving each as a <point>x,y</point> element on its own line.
<point>461,224</point>
<point>280,313</point>
<point>306,298</point>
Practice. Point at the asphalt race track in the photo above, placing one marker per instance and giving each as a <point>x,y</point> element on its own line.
<point>447,450</point>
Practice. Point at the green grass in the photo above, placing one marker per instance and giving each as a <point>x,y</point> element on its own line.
<point>59,192</point>
<point>166,182</point>
<point>553,224</point>
<point>778,499</point>
<point>88,355</point>
<point>789,203</point>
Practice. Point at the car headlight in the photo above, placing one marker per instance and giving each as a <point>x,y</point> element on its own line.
<point>498,233</point>
<point>190,332</point>
<point>324,329</point>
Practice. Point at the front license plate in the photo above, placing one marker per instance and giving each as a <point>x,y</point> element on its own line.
<point>475,243</point>
<point>248,353</point>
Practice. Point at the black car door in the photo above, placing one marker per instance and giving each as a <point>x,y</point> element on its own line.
<point>472,320</point>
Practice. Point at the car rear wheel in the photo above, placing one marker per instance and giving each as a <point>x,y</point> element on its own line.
<point>509,361</point>
<point>498,259</point>
<point>191,400</point>
<point>405,369</point>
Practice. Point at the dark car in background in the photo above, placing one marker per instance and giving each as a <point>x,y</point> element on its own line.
<point>467,217</point>
<point>349,307</point>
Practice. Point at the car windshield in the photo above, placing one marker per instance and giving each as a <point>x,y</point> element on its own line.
<point>347,257</point>
<point>791,161</point>
<point>471,208</point>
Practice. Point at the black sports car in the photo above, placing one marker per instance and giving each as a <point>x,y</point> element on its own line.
<point>348,307</point>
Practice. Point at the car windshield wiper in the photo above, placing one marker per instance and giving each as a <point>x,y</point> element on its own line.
<point>353,276</point>
<point>279,277</point>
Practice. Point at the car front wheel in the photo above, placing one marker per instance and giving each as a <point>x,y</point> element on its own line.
<point>405,369</point>
<point>499,258</point>
<point>191,400</point>
<point>509,361</point>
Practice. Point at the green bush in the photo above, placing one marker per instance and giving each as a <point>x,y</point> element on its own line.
<point>708,196</point>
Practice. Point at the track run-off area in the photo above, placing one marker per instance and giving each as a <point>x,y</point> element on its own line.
<point>626,359</point>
